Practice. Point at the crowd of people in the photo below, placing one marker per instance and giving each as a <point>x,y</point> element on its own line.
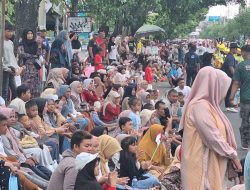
<point>68,122</point>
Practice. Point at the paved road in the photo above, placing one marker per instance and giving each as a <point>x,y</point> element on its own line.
<point>233,117</point>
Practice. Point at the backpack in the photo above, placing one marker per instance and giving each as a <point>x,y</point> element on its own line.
<point>192,60</point>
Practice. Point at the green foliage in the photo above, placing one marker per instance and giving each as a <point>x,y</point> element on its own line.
<point>232,29</point>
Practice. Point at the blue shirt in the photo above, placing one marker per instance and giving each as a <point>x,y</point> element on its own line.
<point>136,120</point>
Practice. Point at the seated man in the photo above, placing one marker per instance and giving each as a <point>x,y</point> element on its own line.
<point>182,88</point>
<point>23,95</point>
<point>64,176</point>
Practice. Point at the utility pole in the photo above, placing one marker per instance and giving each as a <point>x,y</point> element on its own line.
<point>2,23</point>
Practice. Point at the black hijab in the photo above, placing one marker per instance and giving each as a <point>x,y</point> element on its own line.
<point>56,47</point>
<point>86,178</point>
<point>128,91</point>
<point>30,46</point>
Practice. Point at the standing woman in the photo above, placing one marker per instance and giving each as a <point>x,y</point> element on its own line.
<point>58,54</point>
<point>64,35</point>
<point>27,53</point>
<point>208,139</point>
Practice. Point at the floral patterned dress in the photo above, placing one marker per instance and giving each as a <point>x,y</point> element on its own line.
<point>31,75</point>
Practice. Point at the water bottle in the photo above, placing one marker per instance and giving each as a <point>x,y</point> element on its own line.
<point>134,181</point>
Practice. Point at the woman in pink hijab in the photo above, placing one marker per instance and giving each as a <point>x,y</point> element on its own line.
<point>208,139</point>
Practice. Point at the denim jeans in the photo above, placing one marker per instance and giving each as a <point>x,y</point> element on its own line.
<point>55,150</point>
<point>8,83</point>
<point>151,181</point>
<point>191,75</point>
<point>83,122</point>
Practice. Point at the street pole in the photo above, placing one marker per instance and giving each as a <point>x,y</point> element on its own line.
<point>2,23</point>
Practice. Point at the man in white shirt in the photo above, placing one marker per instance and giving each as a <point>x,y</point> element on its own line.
<point>10,66</point>
<point>23,95</point>
<point>182,88</point>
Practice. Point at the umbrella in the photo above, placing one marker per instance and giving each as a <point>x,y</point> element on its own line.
<point>147,30</point>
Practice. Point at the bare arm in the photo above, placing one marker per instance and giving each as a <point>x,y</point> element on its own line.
<point>235,87</point>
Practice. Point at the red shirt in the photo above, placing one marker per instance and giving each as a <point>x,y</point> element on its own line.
<point>111,113</point>
<point>98,62</point>
<point>149,75</point>
<point>101,43</point>
<point>105,186</point>
<point>91,98</point>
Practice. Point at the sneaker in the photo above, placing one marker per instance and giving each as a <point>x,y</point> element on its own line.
<point>233,110</point>
<point>244,148</point>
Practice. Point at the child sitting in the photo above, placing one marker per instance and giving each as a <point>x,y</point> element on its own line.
<point>128,157</point>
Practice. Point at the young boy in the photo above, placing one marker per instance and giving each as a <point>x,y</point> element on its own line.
<point>24,120</point>
<point>126,125</point>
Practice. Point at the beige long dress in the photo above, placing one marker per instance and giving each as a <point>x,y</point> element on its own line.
<point>205,149</point>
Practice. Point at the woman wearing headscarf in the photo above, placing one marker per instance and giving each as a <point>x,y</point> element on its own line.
<point>99,87</point>
<point>64,35</point>
<point>160,157</point>
<point>88,166</point>
<point>128,158</point>
<point>67,108</point>
<point>109,149</point>
<point>111,108</point>
<point>208,134</point>
<point>13,148</point>
<point>129,92</point>
<point>58,54</point>
<point>76,90</point>
<point>57,77</point>
<point>88,93</point>
<point>28,55</point>
<point>145,98</point>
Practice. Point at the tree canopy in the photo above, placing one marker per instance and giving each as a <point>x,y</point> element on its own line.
<point>125,16</point>
<point>232,29</point>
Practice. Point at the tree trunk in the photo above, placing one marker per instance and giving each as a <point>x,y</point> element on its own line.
<point>26,14</point>
<point>74,5</point>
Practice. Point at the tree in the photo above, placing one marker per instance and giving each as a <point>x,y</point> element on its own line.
<point>126,16</point>
<point>232,30</point>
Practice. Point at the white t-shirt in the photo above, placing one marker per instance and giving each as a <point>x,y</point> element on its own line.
<point>113,53</point>
<point>186,91</point>
<point>2,153</point>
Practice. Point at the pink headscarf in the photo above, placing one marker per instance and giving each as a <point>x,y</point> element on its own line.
<point>10,134</point>
<point>211,85</point>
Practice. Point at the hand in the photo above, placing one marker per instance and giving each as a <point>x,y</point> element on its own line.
<point>147,165</point>
<point>61,130</point>
<point>30,162</point>
<point>103,179</point>
<point>56,111</point>
<point>14,169</point>
<point>112,178</point>
<point>122,180</point>
<point>160,169</point>
<point>237,165</point>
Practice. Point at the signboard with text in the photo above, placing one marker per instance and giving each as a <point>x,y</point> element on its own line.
<point>79,24</point>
